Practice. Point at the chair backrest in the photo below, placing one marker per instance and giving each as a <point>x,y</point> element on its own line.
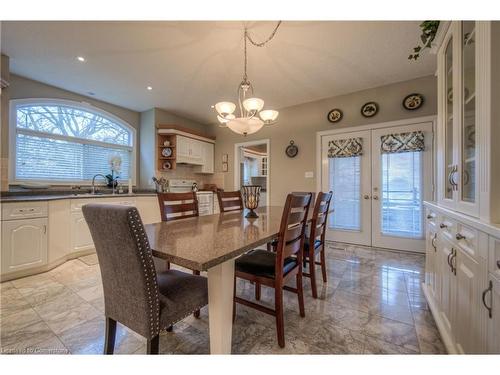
<point>292,229</point>
<point>128,273</point>
<point>174,206</point>
<point>319,219</point>
<point>229,200</point>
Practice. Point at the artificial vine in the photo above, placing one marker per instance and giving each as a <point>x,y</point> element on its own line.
<point>429,30</point>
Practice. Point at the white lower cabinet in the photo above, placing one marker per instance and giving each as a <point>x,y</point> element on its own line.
<point>24,244</point>
<point>491,301</point>
<point>470,317</point>
<point>457,286</point>
<point>81,239</point>
<point>30,245</point>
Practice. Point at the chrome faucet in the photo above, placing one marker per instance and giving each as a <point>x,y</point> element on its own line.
<point>94,189</point>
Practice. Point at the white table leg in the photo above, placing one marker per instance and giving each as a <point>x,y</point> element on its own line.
<point>220,307</point>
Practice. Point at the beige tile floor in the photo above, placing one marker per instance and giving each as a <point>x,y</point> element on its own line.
<point>372,303</point>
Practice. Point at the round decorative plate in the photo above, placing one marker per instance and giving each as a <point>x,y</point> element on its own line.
<point>335,115</point>
<point>166,165</point>
<point>166,152</point>
<point>413,101</point>
<point>369,109</point>
<point>292,150</point>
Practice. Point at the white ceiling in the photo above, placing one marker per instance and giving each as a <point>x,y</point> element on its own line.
<point>192,65</point>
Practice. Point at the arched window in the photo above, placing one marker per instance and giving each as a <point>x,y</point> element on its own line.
<point>67,142</point>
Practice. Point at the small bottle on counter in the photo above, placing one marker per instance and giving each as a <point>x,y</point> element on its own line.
<point>130,186</point>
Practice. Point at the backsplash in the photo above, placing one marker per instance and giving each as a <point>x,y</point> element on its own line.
<point>186,172</point>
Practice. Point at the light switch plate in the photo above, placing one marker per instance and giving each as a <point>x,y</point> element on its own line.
<point>309,175</point>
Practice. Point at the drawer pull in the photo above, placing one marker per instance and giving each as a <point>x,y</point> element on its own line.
<point>459,237</point>
<point>428,216</point>
<point>489,308</point>
<point>443,225</point>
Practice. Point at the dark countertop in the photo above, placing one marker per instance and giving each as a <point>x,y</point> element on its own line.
<point>24,195</point>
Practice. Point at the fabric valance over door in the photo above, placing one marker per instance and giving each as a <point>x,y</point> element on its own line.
<point>345,148</point>
<point>402,142</point>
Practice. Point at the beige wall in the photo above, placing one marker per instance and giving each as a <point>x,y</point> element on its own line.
<point>301,123</point>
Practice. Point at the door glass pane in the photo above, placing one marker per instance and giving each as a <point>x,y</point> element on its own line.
<point>469,112</point>
<point>449,120</point>
<point>402,194</point>
<point>345,175</point>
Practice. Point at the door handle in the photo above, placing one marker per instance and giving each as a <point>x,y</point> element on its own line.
<point>448,258</point>
<point>483,297</point>
<point>452,264</point>
<point>375,197</point>
<point>366,196</point>
<point>433,242</point>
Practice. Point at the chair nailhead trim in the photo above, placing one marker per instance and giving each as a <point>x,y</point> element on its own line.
<point>142,243</point>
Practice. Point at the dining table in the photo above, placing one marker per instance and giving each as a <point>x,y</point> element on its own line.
<point>211,243</point>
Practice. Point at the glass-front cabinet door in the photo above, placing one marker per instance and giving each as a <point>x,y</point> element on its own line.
<point>468,150</point>
<point>457,123</point>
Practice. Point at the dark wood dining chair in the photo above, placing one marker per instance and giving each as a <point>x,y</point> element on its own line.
<point>229,201</point>
<point>135,294</point>
<point>274,269</point>
<point>315,243</point>
<point>175,206</point>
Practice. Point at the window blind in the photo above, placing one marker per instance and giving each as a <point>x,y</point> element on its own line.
<point>40,158</point>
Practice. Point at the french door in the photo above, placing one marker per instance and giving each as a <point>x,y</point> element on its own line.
<point>379,180</point>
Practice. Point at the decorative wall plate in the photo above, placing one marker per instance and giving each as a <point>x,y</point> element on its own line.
<point>292,150</point>
<point>335,115</point>
<point>166,152</point>
<point>413,101</point>
<point>369,109</point>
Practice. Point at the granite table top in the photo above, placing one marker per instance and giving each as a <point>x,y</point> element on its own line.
<point>203,242</point>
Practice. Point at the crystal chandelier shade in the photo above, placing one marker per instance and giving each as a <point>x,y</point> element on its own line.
<point>247,122</point>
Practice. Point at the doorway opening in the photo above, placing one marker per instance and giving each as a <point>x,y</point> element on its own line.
<point>252,161</point>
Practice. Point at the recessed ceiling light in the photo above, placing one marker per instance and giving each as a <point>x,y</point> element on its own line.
<point>149,88</point>
<point>81,58</point>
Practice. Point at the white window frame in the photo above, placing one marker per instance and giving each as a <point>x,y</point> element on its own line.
<point>67,103</point>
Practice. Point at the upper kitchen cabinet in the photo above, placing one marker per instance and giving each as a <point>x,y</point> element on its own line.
<point>465,144</point>
<point>176,146</point>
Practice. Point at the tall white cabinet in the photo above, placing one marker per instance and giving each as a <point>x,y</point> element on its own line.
<point>462,281</point>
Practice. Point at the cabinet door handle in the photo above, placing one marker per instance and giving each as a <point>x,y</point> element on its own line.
<point>433,242</point>
<point>489,308</point>
<point>449,256</point>
<point>375,197</point>
<point>459,236</point>
<point>45,229</point>
<point>453,262</point>
<point>443,225</point>
<point>429,216</point>
<point>453,171</point>
<point>498,264</point>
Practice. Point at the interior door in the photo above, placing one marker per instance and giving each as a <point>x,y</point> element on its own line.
<point>347,173</point>
<point>399,185</point>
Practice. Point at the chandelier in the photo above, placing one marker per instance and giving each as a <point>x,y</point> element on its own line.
<point>249,106</point>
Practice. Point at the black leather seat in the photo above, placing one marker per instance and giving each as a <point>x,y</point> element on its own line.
<point>262,263</point>
<point>317,245</point>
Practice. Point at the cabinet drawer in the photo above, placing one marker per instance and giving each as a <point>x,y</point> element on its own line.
<point>24,210</point>
<point>494,257</point>
<point>467,239</point>
<point>447,227</point>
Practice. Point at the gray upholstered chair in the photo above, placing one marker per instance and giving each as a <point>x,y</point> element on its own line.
<point>135,295</point>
